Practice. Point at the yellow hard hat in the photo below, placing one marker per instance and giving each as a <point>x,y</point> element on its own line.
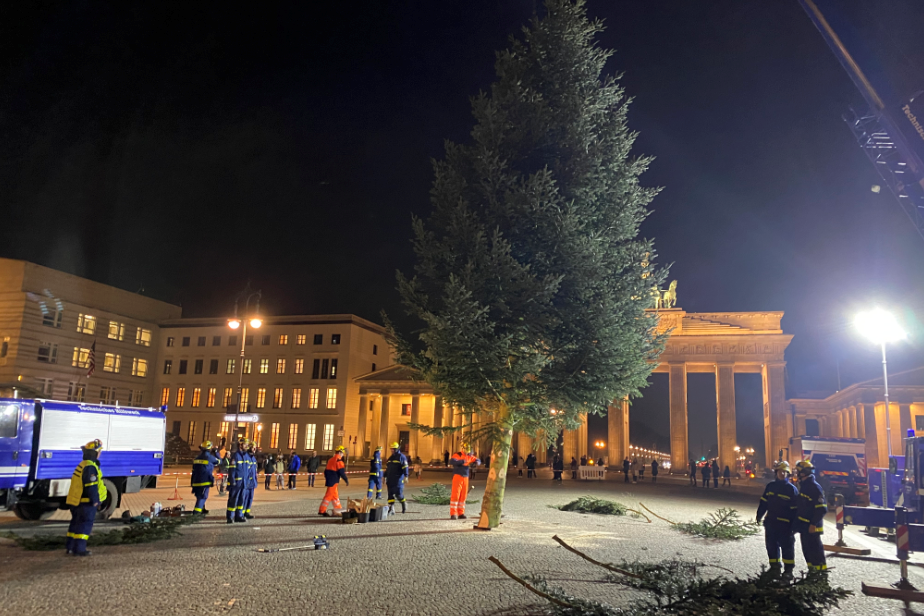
<point>94,445</point>
<point>341,448</point>
<point>782,466</point>
<point>379,448</point>
<point>395,446</point>
<point>804,465</point>
<point>206,445</point>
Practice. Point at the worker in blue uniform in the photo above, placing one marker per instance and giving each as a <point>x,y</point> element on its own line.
<point>810,515</point>
<point>202,479</point>
<point>778,503</point>
<point>250,484</point>
<point>237,470</point>
<point>375,474</point>
<point>396,474</point>
<point>86,494</point>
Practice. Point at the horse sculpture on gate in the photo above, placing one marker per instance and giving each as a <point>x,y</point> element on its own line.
<point>665,299</point>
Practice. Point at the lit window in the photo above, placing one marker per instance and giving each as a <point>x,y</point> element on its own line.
<point>171,341</point>
<point>283,339</point>
<point>81,358</point>
<point>180,396</point>
<point>223,429</point>
<point>245,399</point>
<point>313,395</point>
<point>293,436</point>
<point>165,396</point>
<point>229,369</point>
<point>116,330</point>
<point>328,437</point>
<point>86,324</point>
<point>310,430</point>
<point>112,363</point>
<point>143,337</point>
<point>264,366</point>
<point>258,435</point>
<point>261,397</point>
<point>197,394</point>
<point>227,397</point>
<point>299,366</point>
<point>297,398</point>
<point>333,368</point>
<point>335,338</point>
<point>106,395</point>
<point>51,318</point>
<point>332,398</point>
<point>281,366</point>
<point>168,366</point>
<point>47,353</point>
<point>277,398</point>
<point>274,436</point>
<point>139,367</point>
<point>191,435</point>
<point>210,400</point>
<point>246,366</point>
<point>76,392</point>
<point>406,410</point>
<point>301,339</point>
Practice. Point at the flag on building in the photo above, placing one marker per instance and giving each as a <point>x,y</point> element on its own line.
<point>91,368</point>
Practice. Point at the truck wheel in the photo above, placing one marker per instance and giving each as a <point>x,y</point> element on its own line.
<point>108,507</point>
<point>32,511</point>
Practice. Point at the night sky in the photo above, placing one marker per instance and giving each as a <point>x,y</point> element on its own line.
<point>184,148</point>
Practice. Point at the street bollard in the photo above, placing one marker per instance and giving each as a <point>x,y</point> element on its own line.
<point>839,519</point>
<point>902,546</point>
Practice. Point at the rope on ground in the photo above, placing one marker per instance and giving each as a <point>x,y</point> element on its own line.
<point>656,515</point>
<point>527,585</point>
<point>606,566</point>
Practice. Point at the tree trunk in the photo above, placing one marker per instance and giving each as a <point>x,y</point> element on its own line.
<point>493,502</point>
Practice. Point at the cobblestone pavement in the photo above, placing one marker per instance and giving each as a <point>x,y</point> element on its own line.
<point>420,563</point>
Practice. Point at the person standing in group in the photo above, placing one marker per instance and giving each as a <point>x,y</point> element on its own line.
<point>583,460</point>
<point>84,498</point>
<point>223,472</point>
<point>692,473</point>
<point>715,473</point>
<point>237,469</point>
<point>706,471</point>
<point>726,476</point>
<point>375,474</point>
<point>446,458</point>
<point>626,467</point>
<point>396,475</point>
<point>250,482</point>
<point>635,466</point>
<point>335,471</point>
<point>574,467</point>
<point>558,466</point>
<point>641,470</point>
<point>269,468</point>
<point>462,462</point>
<point>202,479</point>
<point>295,463</point>
<point>810,514</point>
<point>314,462</point>
<point>655,467</point>
<point>779,503</point>
<point>530,467</point>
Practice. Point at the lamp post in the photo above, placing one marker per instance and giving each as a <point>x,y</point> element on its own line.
<point>881,327</point>
<point>255,322</point>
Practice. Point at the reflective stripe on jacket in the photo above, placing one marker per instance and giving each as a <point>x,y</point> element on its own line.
<point>202,469</point>
<point>86,484</point>
<point>779,503</point>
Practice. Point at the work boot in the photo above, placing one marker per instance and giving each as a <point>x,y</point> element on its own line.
<point>84,553</point>
<point>229,521</point>
<point>247,515</point>
<point>403,508</point>
<point>453,517</point>
<point>462,516</point>
<point>787,571</point>
<point>239,520</point>
<point>205,512</point>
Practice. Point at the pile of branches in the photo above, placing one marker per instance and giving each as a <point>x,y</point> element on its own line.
<point>592,504</point>
<point>679,588</point>
<point>436,494</point>
<point>721,524</point>
<point>158,529</point>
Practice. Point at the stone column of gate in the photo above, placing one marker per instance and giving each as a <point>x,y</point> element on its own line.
<point>679,431</point>
<point>871,434</point>
<point>904,414</point>
<point>525,447</point>
<point>617,441</point>
<point>437,449</point>
<point>860,419</point>
<point>385,424</point>
<point>569,446</point>
<point>778,424</point>
<point>375,440</point>
<point>361,422</point>
<point>413,446</point>
<point>582,439</point>
<point>725,413</point>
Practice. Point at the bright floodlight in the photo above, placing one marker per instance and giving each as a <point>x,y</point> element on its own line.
<point>234,323</point>
<point>879,326</point>
<point>256,323</point>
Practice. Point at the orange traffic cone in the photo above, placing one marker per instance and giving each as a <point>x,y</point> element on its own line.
<point>176,491</point>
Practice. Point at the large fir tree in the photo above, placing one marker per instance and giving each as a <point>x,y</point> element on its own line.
<point>531,280</point>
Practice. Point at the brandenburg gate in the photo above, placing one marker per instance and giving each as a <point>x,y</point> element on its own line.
<point>720,343</point>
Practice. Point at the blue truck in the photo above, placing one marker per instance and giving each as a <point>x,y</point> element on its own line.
<point>40,443</point>
<point>840,465</point>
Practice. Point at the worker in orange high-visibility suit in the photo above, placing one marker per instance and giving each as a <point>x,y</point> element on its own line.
<point>461,462</point>
<point>332,476</point>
